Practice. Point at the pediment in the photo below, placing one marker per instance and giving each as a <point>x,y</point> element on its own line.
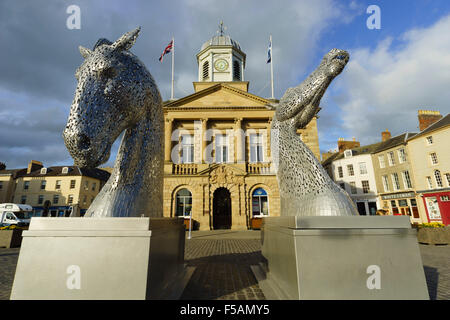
<point>219,95</point>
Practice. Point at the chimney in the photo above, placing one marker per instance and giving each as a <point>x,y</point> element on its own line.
<point>345,145</point>
<point>34,165</point>
<point>427,118</point>
<point>385,135</point>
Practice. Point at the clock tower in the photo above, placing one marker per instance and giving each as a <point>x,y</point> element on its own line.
<point>220,59</point>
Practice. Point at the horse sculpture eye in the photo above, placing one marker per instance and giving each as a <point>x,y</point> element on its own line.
<point>109,73</point>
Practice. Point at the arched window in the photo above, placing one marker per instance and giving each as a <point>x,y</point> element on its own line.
<point>205,70</point>
<point>183,202</point>
<point>437,176</point>
<point>236,71</point>
<point>260,205</point>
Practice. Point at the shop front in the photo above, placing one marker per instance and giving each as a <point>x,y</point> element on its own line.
<point>403,203</point>
<point>437,206</point>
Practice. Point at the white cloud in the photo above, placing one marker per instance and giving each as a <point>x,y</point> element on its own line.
<point>386,86</point>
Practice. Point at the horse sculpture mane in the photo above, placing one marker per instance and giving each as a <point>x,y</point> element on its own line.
<point>116,93</point>
<point>305,187</point>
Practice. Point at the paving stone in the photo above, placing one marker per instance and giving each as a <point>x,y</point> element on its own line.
<point>223,261</point>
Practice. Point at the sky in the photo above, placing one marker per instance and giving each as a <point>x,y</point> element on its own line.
<point>393,71</point>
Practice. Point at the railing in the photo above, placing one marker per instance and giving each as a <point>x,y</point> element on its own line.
<point>258,168</point>
<point>184,168</point>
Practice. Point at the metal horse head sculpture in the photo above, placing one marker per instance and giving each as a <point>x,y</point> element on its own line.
<point>305,187</point>
<point>116,93</point>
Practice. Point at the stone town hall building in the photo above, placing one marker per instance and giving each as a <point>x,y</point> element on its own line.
<point>217,145</point>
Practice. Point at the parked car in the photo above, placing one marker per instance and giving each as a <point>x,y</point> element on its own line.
<point>18,214</point>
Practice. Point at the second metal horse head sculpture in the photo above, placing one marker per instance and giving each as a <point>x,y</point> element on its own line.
<point>116,93</point>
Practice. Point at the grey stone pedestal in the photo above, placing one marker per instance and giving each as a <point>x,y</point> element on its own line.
<point>102,258</point>
<point>374,257</point>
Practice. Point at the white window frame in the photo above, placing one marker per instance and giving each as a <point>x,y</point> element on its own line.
<point>395,181</point>
<point>382,161</point>
<point>391,158</point>
<point>438,179</point>
<point>368,186</point>
<point>256,142</point>
<point>385,183</point>
<point>401,155</point>
<point>350,170</point>
<point>187,149</point>
<point>362,168</point>
<point>429,140</point>
<point>407,179</point>
<point>222,149</point>
<point>430,183</point>
<point>433,158</point>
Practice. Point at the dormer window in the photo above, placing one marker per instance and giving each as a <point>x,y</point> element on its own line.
<point>43,170</point>
<point>65,170</point>
<point>348,153</point>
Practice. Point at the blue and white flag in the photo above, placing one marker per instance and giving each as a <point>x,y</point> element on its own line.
<point>269,52</point>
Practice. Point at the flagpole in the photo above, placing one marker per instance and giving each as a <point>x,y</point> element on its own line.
<point>271,64</point>
<point>173,59</point>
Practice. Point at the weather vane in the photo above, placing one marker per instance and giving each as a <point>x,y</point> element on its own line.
<point>222,28</point>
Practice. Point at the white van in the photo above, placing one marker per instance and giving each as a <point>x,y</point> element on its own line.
<point>18,214</point>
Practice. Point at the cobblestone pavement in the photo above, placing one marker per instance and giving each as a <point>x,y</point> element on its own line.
<point>223,260</point>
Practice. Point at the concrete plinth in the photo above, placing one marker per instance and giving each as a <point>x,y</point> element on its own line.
<point>358,258</point>
<point>101,258</point>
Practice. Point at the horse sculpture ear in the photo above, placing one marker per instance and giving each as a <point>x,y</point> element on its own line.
<point>85,52</point>
<point>126,41</point>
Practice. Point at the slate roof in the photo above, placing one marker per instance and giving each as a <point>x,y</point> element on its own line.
<point>57,171</point>
<point>443,122</point>
<point>395,141</point>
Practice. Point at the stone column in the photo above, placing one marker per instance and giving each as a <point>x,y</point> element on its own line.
<point>168,140</point>
<point>203,138</point>
<point>240,151</point>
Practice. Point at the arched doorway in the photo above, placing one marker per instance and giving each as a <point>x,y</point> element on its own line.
<point>221,209</point>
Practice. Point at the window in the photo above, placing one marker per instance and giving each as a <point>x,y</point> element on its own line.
<point>348,153</point>
<point>256,148</point>
<point>429,140</point>
<point>65,170</point>
<point>183,203</point>
<point>395,181</point>
<point>221,148</point>
<point>43,170</point>
<point>23,199</point>
<point>72,184</point>
<point>94,186</point>
<point>381,161</point>
<point>259,202</point>
<point>340,172</point>
<point>86,185</point>
<point>55,199</point>
<point>206,70</point>
<point>84,199</point>
<point>70,199</point>
<point>1,185</point>
<point>350,170</point>
<point>353,187</point>
<point>362,168</point>
<point>342,185</point>
<point>407,179</point>
<point>40,199</point>
<point>447,175</point>
<point>365,185</point>
<point>401,155</point>
<point>433,158</point>
<point>391,158</point>
<point>58,184</point>
<point>386,183</point>
<point>236,71</point>
<point>430,183</point>
<point>26,185</point>
<point>437,176</point>
<point>445,198</point>
<point>187,149</point>
<point>43,183</point>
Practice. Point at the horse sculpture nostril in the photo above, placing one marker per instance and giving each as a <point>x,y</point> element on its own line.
<point>84,142</point>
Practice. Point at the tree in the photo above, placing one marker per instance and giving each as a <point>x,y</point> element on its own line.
<point>2,166</point>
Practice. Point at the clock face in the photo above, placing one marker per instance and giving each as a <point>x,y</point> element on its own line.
<point>221,65</point>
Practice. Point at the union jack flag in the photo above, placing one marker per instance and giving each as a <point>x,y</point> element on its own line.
<point>168,49</point>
